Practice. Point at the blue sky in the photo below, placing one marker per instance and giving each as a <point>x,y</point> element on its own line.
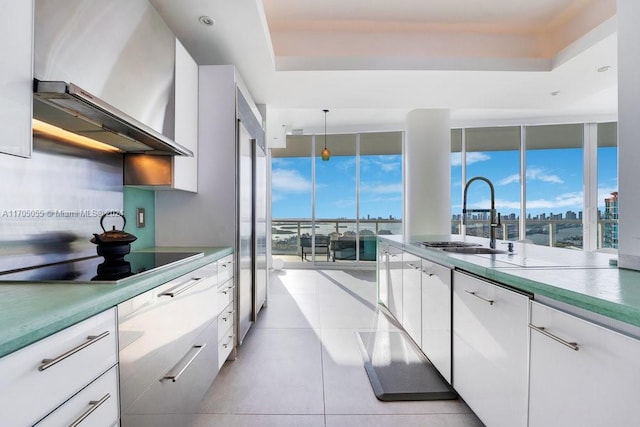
<point>554,183</point>
<point>554,180</point>
<point>380,187</point>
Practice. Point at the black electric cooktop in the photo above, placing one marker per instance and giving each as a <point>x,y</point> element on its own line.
<point>96,269</point>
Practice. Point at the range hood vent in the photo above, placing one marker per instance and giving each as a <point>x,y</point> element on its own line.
<point>69,107</point>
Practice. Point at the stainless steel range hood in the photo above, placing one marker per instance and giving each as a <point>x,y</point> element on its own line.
<point>69,107</point>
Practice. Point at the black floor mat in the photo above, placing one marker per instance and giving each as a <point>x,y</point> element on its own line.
<point>398,370</point>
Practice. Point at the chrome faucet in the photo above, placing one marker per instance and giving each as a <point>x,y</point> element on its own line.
<point>493,224</point>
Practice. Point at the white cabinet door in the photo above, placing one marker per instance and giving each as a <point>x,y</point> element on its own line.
<point>16,75</point>
<point>436,316</point>
<point>582,374</point>
<point>412,297</point>
<point>185,173</point>
<point>490,350</point>
<point>38,378</point>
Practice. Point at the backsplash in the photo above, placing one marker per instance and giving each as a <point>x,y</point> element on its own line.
<point>138,198</point>
<point>51,204</point>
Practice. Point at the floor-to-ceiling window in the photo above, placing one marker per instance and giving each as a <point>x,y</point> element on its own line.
<point>607,186</point>
<point>570,183</point>
<point>554,171</point>
<point>493,153</point>
<point>331,210</point>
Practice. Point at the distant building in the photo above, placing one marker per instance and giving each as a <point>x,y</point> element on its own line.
<point>610,228</point>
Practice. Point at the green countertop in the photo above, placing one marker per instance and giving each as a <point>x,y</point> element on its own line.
<point>580,279</point>
<point>29,312</point>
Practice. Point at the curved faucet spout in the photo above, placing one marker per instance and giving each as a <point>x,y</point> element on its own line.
<point>492,212</point>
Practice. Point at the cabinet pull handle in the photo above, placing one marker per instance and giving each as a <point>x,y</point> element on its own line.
<point>229,313</point>
<point>415,267</point>
<point>94,404</point>
<point>182,287</point>
<point>543,331</point>
<point>91,339</point>
<point>175,377</point>
<point>226,345</point>
<point>226,264</point>
<point>427,272</point>
<point>227,289</point>
<point>489,301</point>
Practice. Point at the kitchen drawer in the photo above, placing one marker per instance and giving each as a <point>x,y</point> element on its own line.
<point>225,345</point>
<point>225,268</point>
<point>225,294</point>
<point>156,328</point>
<point>192,371</point>
<point>95,405</point>
<point>225,320</point>
<point>76,356</point>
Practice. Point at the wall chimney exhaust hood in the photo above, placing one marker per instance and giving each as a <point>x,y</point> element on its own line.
<point>69,107</point>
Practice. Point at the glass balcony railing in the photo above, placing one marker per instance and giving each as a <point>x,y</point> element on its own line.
<point>566,233</point>
<point>290,235</point>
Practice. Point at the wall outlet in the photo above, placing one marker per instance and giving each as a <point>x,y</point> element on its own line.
<point>140,217</point>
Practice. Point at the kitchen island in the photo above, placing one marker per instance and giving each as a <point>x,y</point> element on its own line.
<point>583,280</point>
<point>528,335</point>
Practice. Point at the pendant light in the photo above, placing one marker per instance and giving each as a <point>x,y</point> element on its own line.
<point>325,154</point>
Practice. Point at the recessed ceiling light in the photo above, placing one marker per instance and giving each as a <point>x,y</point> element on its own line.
<point>206,20</point>
<point>604,68</point>
<point>555,93</point>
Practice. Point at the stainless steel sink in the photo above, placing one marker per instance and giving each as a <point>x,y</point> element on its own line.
<point>474,250</point>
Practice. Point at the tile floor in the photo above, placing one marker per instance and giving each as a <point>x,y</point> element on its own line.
<point>300,364</point>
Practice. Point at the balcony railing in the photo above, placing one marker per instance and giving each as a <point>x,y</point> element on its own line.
<point>286,233</point>
<point>549,232</point>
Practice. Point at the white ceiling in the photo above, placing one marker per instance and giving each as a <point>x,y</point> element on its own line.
<point>370,62</point>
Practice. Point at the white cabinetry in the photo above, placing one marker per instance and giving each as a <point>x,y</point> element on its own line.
<point>168,345</point>
<point>411,297</point>
<point>490,350</point>
<point>436,316</point>
<point>582,374</point>
<point>173,172</point>
<point>37,379</point>
<point>226,309</point>
<point>185,169</point>
<point>16,75</point>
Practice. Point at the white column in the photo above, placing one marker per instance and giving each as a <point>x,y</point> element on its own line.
<point>628,148</point>
<point>427,173</point>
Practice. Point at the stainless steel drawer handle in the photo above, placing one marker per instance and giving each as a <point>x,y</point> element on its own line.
<point>427,272</point>
<point>226,345</point>
<point>543,331</point>
<point>226,264</point>
<point>182,287</point>
<point>91,339</point>
<point>195,351</point>
<point>93,405</point>
<point>489,301</point>
<point>227,289</point>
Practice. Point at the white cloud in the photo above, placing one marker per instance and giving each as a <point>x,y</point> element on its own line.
<point>510,179</point>
<point>472,157</point>
<point>533,174</point>
<point>381,188</point>
<point>289,181</point>
<point>566,200</point>
<point>539,174</point>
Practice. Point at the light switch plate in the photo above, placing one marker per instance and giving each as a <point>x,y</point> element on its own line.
<point>140,217</point>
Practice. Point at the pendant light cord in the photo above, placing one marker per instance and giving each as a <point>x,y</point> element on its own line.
<point>325,128</point>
